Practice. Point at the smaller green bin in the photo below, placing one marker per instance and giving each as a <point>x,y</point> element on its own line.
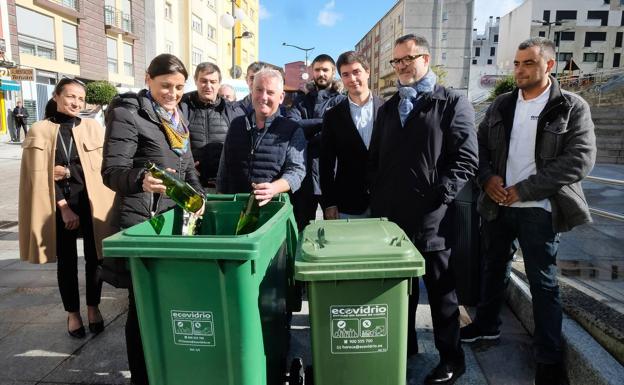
<point>358,275</point>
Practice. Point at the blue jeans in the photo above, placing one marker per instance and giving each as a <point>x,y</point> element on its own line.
<point>532,227</point>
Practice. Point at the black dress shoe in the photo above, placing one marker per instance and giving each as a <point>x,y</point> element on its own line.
<point>96,327</point>
<point>77,333</point>
<point>445,373</point>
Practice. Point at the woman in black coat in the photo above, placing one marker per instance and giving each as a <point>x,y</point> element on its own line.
<point>146,126</point>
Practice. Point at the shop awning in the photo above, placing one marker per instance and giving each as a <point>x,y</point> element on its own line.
<point>9,85</point>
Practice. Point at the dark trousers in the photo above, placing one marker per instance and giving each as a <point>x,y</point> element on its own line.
<point>20,123</point>
<point>440,284</point>
<point>134,345</point>
<point>532,227</point>
<point>67,260</point>
<point>305,203</point>
<point>13,132</point>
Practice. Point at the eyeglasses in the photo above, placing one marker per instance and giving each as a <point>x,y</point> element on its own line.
<point>406,60</point>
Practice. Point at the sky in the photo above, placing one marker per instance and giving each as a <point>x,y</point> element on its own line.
<point>334,26</point>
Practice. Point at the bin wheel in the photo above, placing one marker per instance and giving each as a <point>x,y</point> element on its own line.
<point>296,375</point>
<point>309,378</point>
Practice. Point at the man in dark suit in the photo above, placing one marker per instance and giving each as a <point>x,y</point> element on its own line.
<point>345,139</point>
<point>20,115</point>
<point>423,151</point>
<point>308,111</point>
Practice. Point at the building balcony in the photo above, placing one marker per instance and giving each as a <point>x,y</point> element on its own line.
<point>116,21</point>
<point>68,8</point>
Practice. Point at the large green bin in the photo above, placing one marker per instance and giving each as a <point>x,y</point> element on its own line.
<point>213,308</point>
<point>358,275</point>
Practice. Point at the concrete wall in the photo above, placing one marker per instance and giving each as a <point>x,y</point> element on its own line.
<point>447,25</point>
<point>514,28</point>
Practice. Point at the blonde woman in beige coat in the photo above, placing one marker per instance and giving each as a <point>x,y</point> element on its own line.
<point>62,196</point>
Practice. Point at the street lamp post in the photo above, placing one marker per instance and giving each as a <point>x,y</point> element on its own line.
<point>236,71</point>
<point>557,38</point>
<point>302,49</point>
<point>229,21</point>
<point>549,24</point>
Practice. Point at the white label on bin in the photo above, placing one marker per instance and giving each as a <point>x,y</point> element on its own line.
<point>359,328</point>
<point>193,328</point>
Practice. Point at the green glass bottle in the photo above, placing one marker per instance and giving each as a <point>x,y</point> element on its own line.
<point>249,216</point>
<point>179,191</point>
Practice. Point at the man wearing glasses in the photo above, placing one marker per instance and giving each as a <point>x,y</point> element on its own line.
<point>424,149</point>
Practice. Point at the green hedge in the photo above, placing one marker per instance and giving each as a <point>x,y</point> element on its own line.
<point>506,84</point>
<point>100,92</point>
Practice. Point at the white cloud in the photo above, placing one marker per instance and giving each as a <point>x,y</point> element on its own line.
<point>264,13</point>
<point>327,16</point>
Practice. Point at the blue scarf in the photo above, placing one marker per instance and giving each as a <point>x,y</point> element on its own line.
<point>412,93</point>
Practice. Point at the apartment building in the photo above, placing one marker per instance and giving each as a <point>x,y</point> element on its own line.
<point>220,31</point>
<point>8,86</point>
<point>86,39</point>
<point>484,70</point>
<point>588,33</point>
<point>446,24</point>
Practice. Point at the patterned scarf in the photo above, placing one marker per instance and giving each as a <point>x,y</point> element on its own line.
<point>411,93</point>
<point>175,129</point>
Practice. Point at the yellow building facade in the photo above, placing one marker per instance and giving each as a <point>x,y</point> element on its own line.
<point>194,31</point>
<point>45,50</point>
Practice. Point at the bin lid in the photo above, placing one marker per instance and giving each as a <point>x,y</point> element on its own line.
<point>157,239</point>
<point>356,249</point>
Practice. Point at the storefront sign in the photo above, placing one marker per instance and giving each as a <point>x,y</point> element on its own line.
<point>25,74</point>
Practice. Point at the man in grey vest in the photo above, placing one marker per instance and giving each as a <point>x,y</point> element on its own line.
<point>209,120</point>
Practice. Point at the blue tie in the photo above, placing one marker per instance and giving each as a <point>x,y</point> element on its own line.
<point>406,105</point>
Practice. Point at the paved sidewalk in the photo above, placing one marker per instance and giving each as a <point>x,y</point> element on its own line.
<point>36,349</point>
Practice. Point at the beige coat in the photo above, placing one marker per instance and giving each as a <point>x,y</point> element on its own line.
<point>37,203</point>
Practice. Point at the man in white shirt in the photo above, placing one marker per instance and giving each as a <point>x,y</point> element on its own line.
<point>345,139</point>
<point>536,144</point>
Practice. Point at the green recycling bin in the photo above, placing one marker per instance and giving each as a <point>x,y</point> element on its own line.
<point>213,308</point>
<point>358,275</point>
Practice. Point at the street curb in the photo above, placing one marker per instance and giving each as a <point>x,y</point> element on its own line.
<point>587,362</point>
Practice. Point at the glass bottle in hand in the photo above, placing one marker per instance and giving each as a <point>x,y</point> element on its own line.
<point>179,191</point>
<point>249,216</point>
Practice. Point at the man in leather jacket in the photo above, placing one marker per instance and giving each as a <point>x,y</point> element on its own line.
<point>536,144</point>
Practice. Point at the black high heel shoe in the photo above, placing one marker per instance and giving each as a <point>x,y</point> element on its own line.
<point>96,327</point>
<point>78,333</point>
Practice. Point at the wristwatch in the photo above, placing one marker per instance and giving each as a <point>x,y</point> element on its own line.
<point>67,173</point>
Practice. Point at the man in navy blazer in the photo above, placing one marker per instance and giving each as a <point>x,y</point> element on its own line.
<point>345,139</point>
<point>423,151</point>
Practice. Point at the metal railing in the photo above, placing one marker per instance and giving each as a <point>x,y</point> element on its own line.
<point>116,18</point>
<point>73,4</point>
<point>610,182</point>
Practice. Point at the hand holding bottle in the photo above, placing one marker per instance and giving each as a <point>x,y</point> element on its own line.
<point>264,192</point>
<point>157,180</point>
<point>153,184</point>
